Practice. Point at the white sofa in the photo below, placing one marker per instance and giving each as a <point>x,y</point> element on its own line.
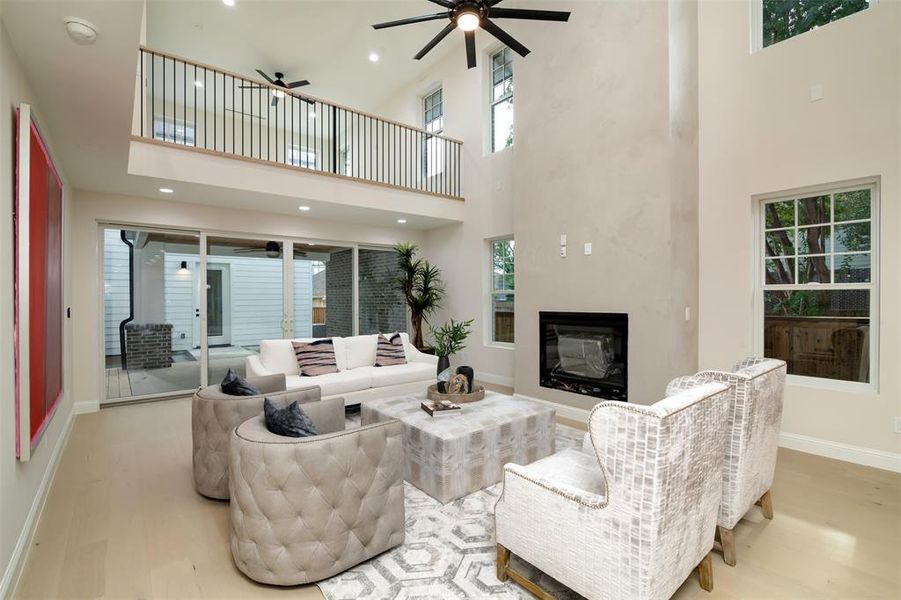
<point>357,379</point>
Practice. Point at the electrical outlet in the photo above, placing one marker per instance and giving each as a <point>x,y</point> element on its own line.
<point>897,424</point>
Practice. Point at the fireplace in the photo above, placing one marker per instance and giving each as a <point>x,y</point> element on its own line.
<point>585,353</point>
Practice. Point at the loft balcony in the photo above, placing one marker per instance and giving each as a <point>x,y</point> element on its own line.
<point>316,145</point>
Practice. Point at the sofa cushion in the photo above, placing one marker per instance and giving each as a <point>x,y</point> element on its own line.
<point>331,384</point>
<point>399,374</point>
<point>360,350</point>
<point>278,357</point>
<point>315,358</point>
<point>290,420</point>
<point>390,351</point>
<point>235,385</point>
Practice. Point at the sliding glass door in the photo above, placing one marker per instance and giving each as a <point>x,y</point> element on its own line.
<point>149,312</point>
<point>245,300</point>
<point>181,308</point>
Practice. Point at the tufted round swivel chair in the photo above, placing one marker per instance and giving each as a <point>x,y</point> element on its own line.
<point>305,509</point>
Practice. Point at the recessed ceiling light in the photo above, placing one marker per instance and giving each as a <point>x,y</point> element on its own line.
<point>373,57</point>
<point>198,83</point>
<point>401,221</point>
<point>278,93</point>
<point>303,208</point>
<point>228,2</point>
<point>167,190</point>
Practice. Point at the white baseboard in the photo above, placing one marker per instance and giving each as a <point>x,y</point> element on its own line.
<point>494,379</point>
<point>81,408</point>
<point>567,412</point>
<point>20,552</point>
<point>890,461</point>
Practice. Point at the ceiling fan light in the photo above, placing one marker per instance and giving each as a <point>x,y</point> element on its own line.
<point>278,93</point>
<point>468,20</point>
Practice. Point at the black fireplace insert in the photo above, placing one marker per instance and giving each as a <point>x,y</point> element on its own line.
<point>585,353</point>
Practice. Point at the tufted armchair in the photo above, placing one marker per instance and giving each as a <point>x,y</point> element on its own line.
<point>214,415</point>
<point>755,418</point>
<point>304,509</point>
<point>633,517</point>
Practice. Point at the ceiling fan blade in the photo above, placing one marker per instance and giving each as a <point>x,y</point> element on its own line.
<point>505,37</point>
<point>491,3</point>
<point>444,3</point>
<point>470,49</point>
<point>266,77</point>
<point>525,13</point>
<point>441,35</point>
<point>298,84</point>
<point>410,20</point>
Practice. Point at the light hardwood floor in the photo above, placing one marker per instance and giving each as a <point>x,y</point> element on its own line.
<point>122,520</point>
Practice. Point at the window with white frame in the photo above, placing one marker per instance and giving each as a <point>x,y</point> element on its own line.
<point>433,122</point>
<point>502,290</point>
<point>501,97</point>
<point>174,131</point>
<point>819,289</point>
<point>301,157</point>
<point>778,20</point>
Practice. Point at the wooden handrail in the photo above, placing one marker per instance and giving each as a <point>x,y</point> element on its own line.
<point>304,97</point>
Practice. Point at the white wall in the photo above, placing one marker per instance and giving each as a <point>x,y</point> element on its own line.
<point>91,208</point>
<point>599,154</point>
<point>22,485</point>
<point>761,133</point>
<point>461,250</point>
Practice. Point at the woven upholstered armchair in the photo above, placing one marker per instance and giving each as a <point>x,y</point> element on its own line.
<point>755,419</point>
<point>214,415</point>
<point>634,516</point>
<point>304,509</point>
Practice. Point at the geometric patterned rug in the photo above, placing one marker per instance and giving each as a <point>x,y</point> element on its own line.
<point>448,552</point>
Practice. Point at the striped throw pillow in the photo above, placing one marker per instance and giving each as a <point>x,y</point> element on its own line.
<point>315,358</point>
<point>390,351</point>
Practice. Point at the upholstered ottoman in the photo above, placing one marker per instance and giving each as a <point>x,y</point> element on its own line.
<point>304,509</point>
<point>213,417</point>
<point>449,457</point>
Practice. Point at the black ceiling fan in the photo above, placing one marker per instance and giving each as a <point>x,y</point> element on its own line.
<point>469,15</point>
<point>272,250</point>
<point>278,81</point>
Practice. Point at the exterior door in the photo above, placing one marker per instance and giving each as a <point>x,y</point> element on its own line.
<point>217,306</point>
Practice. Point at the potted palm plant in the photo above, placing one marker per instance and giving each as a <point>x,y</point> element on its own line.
<point>420,282</point>
<point>450,338</point>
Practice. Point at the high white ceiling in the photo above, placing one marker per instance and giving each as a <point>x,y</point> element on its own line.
<point>86,93</point>
<point>327,42</point>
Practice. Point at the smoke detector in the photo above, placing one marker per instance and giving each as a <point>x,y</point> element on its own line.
<point>82,32</point>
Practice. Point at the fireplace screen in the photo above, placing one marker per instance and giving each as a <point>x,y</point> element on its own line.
<point>585,353</point>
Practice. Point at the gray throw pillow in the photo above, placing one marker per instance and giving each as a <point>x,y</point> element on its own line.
<point>290,420</point>
<point>235,385</point>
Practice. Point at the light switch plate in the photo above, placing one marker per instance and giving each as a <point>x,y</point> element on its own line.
<point>816,92</point>
<point>688,313</point>
<point>897,424</point>
<point>587,248</point>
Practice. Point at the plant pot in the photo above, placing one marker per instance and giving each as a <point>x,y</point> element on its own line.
<point>443,373</point>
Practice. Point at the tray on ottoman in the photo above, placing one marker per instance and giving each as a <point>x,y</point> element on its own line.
<point>449,458</point>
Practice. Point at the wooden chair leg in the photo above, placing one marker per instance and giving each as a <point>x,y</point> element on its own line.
<point>766,503</point>
<point>503,559</point>
<point>727,543</point>
<point>705,573</point>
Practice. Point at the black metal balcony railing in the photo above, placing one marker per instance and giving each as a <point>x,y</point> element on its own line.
<point>191,104</point>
